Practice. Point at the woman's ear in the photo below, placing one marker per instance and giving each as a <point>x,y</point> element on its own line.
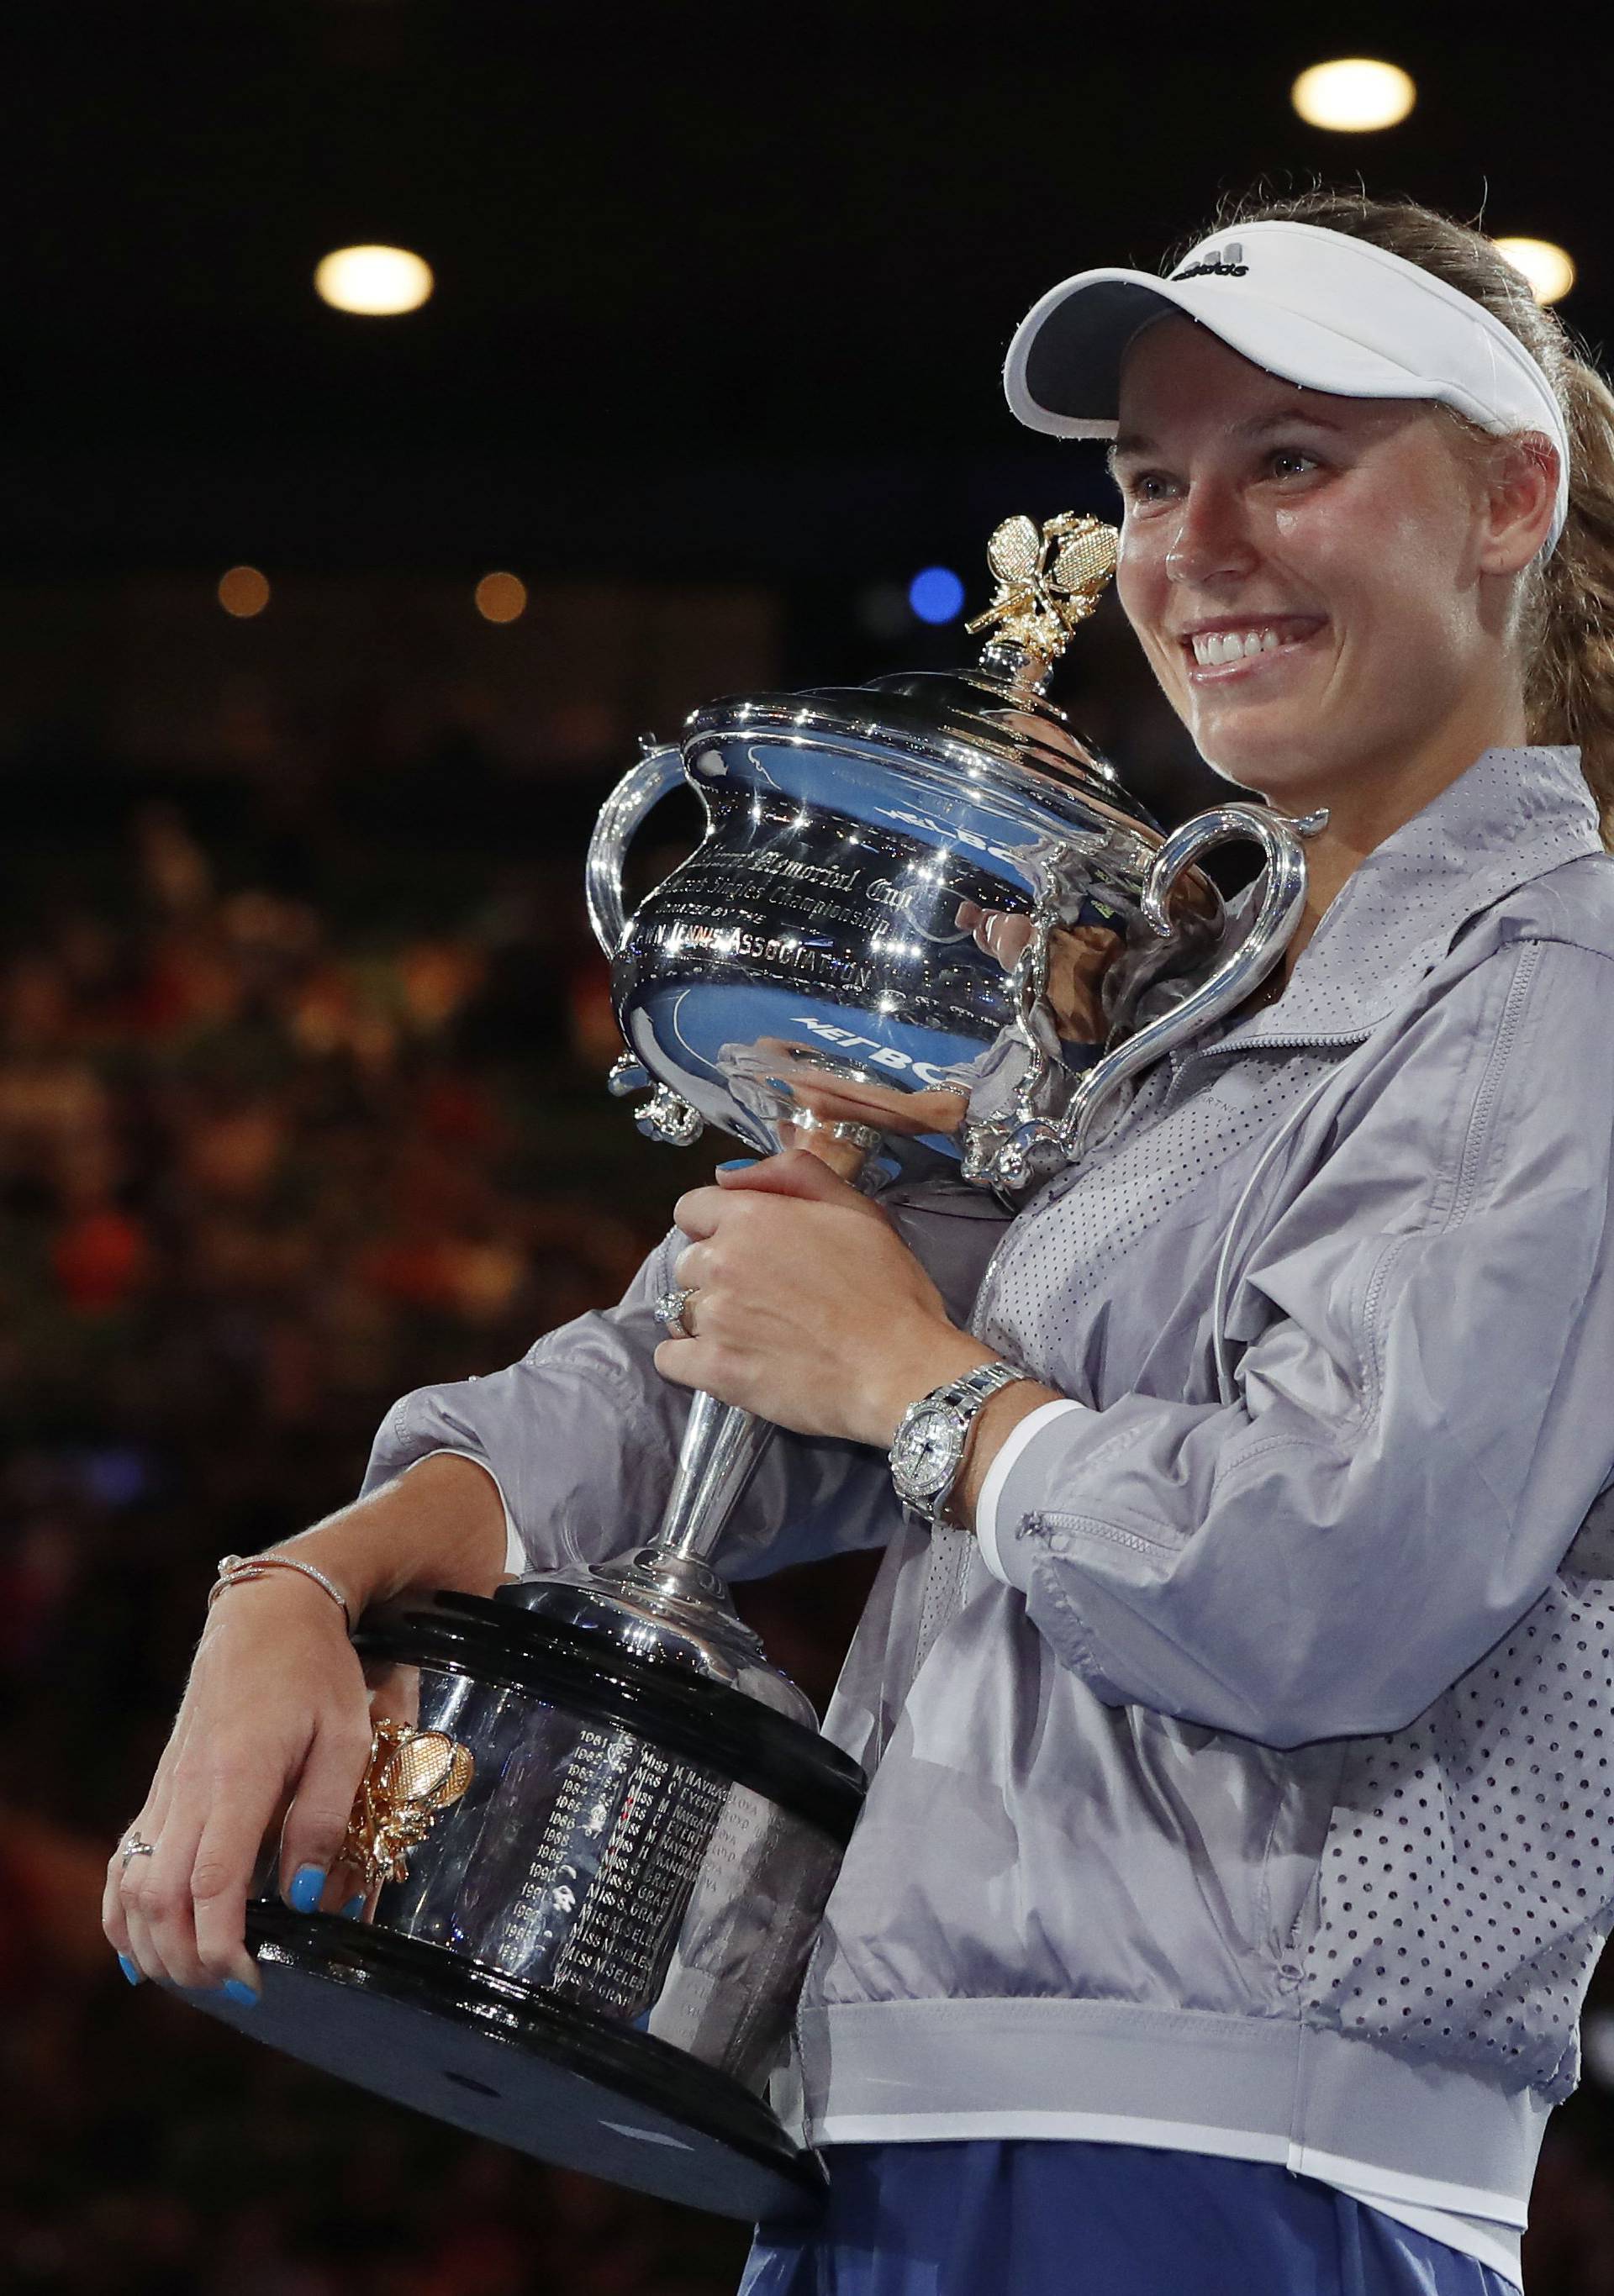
<point>1520,498</point>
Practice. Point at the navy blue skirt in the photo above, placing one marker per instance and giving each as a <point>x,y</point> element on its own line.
<point>1038,2218</point>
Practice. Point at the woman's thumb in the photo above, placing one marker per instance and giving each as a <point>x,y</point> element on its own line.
<point>795,1172</point>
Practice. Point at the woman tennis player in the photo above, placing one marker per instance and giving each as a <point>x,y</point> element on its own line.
<point>1241,1831</point>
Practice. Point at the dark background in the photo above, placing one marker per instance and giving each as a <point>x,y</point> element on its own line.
<point>301,1037</point>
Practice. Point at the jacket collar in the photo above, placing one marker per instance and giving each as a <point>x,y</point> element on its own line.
<point>1512,816</point>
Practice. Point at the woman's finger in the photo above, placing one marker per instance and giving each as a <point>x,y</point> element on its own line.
<point>140,1951</point>
<point>699,1211</point>
<point>224,1858</point>
<point>157,1890</point>
<point>692,1266</point>
<point>114,1918</point>
<point>317,1822</point>
<point>795,1172</point>
<point>115,1905</point>
<point>688,1364</point>
<point>112,1921</point>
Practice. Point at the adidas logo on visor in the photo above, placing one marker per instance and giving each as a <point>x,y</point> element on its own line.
<point>1229,265</point>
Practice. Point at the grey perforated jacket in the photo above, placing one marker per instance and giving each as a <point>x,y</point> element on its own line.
<point>1258,1796</point>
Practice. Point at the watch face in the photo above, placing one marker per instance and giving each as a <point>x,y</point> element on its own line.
<point>928,1450</point>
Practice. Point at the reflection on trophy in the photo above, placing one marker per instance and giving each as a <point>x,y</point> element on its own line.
<point>927,929</point>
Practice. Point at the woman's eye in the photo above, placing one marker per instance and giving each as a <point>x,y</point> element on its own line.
<point>1146,485</point>
<point>1147,490</point>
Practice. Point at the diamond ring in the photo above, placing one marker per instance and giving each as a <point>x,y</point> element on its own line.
<point>133,1847</point>
<point>671,1309</point>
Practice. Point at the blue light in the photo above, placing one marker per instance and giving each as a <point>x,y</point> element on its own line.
<point>936,594</point>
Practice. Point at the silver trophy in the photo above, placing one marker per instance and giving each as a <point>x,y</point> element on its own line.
<point>925,928</point>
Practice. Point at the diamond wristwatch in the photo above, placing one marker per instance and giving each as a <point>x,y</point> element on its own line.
<point>927,1449</point>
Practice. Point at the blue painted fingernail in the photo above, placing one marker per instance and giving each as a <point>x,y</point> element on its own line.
<point>738,1164</point>
<point>308,1888</point>
<point>242,1995</point>
<point>128,1968</point>
<point>354,1907</point>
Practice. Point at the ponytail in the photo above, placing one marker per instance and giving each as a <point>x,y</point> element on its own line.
<point>1570,671</point>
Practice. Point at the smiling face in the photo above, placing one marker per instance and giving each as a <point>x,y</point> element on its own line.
<point>1314,579</point>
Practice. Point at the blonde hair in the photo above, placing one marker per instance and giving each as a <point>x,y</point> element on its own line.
<point>1566,626</point>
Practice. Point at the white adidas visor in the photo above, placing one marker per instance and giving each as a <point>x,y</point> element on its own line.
<point>1316,307</point>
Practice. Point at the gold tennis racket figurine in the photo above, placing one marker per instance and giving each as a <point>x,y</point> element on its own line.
<point>1050,579</point>
<point>412,1777</point>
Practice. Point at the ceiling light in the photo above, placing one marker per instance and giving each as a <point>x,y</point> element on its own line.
<point>1353,94</point>
<point>501,597</point>
<point>1550,269</point>
<point>244,592</point>
<point>377,282</point>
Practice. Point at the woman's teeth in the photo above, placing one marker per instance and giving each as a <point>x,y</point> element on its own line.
<point>1234,645</point>
<point>1238,643</point>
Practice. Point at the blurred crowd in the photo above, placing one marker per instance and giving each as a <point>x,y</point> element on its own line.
<point>279,1139</point>
<point>267,1160</point>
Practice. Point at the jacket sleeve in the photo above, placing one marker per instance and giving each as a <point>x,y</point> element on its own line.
<point>1422,1415</point>
<point>581,1435</point>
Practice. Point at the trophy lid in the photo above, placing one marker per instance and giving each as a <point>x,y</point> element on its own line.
<point>1050,579</point>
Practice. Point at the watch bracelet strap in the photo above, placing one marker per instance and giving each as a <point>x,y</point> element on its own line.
<point>984,1380</point>
<point>967,1394</point>
<point>978,1389</point>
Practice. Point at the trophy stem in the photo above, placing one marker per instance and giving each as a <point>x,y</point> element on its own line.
<point>721,1443</point>
<point>721,1446</point>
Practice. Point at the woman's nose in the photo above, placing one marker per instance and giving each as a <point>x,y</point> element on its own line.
<point>1212,538</point>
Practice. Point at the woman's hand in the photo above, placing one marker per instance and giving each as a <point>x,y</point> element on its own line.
<point>276,1712</point>
<point>276,1719</point>
<point>835,1098</point>
<point>810,1310</point>
<point>1078,958</point>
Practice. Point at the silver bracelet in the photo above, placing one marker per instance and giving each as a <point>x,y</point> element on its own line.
<point>237,1569</point>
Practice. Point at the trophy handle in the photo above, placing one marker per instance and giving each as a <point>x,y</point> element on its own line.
<point>1240,974</point>
<point>664,1116</point>
<point>1012,1154</point>
<point>643,786</point>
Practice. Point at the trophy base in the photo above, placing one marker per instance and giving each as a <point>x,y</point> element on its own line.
<point>426,2028</point>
